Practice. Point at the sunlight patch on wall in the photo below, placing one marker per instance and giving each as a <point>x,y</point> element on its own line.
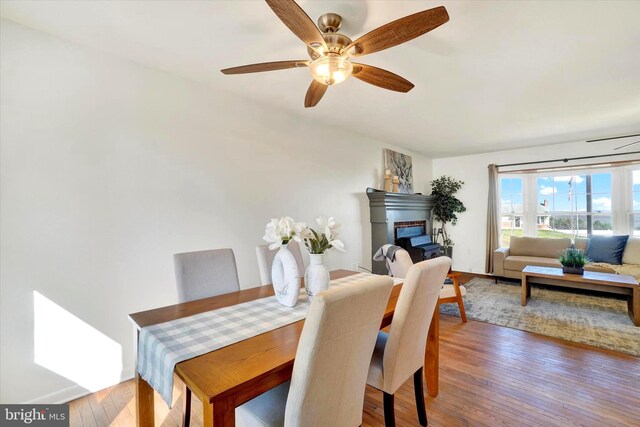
<point>68,346</point>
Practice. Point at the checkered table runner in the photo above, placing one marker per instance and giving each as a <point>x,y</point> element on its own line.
<point>162,346</point>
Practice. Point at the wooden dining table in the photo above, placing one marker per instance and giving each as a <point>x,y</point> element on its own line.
<point>230,376</point>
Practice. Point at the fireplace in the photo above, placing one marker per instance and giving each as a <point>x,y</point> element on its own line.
<point>417,243</point>
<point>414,228</point>
<point>391,212</point>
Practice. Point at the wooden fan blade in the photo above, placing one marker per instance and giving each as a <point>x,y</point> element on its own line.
<point>297,21</point>
<point>627,145</point>
<point>613,137</point>
<point>381,78</point>
<point>399,31</point>
<point>314,94</point>
<point>265,66</point>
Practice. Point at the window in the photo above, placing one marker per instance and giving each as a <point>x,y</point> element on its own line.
<point>570,204</point>
<point>635,190</point>
<point>574,205</point>
<point>511,208</point>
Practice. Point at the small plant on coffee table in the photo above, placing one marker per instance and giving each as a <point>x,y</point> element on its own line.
<point>573,261</point>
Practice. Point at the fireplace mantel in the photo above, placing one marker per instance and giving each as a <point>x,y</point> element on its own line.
<point>387,209</point>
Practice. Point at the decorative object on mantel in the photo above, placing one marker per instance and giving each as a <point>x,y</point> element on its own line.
<point>316,277</point>
<point>284,271</point>
<point>400,167</point>
<point>387,181</point>
<point>446,206</point>
<point>573,261</point>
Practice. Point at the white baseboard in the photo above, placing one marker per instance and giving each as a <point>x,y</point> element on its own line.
<point>73,392</point>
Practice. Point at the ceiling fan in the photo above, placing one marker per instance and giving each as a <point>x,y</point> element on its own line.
<point>618,137</point>
<point>331,52</point>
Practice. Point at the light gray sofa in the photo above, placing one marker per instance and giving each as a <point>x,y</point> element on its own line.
<point>544,252</point>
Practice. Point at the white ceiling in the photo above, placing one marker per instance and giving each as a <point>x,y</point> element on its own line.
<point>498,75</point>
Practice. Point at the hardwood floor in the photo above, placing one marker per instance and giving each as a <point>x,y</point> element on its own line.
<point>489,376</point>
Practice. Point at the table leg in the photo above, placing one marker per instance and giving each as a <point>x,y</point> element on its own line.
<point>145,416</point>
<point>634,306</point>
<point>186,414</point>
<point>432,355</point>
<point>220,413</point>
<point>525,293</point>
<point>207,414</point>
<point>144,403</point>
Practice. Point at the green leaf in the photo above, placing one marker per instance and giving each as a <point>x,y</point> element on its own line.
<point>445,204</point>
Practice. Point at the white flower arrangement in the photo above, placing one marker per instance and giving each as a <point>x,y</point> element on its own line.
<point>317,242</point>
<point>280,231</point>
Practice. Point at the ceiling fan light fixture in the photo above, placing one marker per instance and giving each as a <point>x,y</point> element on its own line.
<point>330,51</point>
<point>331,69</point>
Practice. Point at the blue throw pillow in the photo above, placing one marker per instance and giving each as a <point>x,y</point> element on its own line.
<point>607,249</point>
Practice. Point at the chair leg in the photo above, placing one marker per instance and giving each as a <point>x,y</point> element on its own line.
<point>417,387</point>
<point>463,315</point>
<point>458,298</point>
<point>389,411</point>
<point>186,414</point>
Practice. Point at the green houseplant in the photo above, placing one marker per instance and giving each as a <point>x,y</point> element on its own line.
<point>446,205</point>
<point>573,261</point>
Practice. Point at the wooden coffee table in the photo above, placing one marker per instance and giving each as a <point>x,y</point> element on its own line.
<point>604,282</point>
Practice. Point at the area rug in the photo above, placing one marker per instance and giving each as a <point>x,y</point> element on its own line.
<point>600,321</point>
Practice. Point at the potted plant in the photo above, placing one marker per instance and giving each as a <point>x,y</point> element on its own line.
<point>446,206</point>
<point>573,261</point>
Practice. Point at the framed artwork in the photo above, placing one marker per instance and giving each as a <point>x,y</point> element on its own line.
<point>400,165</point>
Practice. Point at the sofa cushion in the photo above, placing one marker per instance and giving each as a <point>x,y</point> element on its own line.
<point>518,263</point>
<point>581,244</point>
<point>537,246</point>
<point>607,249</point>
<point>632,251</point>
<point>599,268</point>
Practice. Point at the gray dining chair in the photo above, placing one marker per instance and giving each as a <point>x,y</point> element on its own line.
<point>330,370</point>
<point>400,354</point>
<point>205,274</point>
<point>200,275</point>
<point>265,260</point>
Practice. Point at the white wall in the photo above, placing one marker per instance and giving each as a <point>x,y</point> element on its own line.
<point>108,168</point>
<point>469,235</point>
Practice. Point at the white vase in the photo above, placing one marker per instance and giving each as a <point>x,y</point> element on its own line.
<point>316,277</point>
<point>285,277</point>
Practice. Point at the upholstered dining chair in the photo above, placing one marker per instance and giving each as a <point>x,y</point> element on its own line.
<point>453,293</point>
<point>200,275</point>
<point>399,354</point>
<point>450,292</point>
<point>205,274</point>
<point>401,264</point>
<point>265,260</point>
<point>395,258</point>
<point>330,370</point>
